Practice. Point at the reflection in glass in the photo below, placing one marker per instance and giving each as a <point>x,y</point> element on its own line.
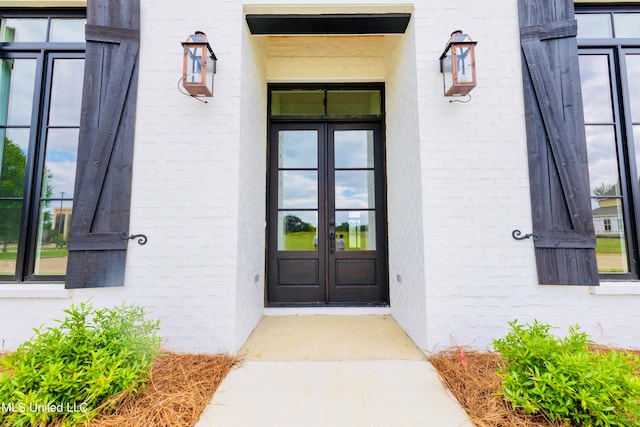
<point>355,189</point>
<point>10,211</point>
<point>353,148</point>
<point>298,149</point>
<point>633,79</point>
<point>636,139</point>
<point>53,231</point>
<point>298,189</point>
<point>357,229</point>
<point>297,102</point>
<point>22,30</point>
<point>464,65</point>
<point>194,66</point>
<point>18,76</point>
<point>611,248</point>
<point>603,163</point>
<point>67,30</point>
<point>14,163</point>
<point>60,163</point>
<point>6,66</point>
<point>66,92</point>
<point>354,102</point>
<point>298,231</point>
<point>627,25</point>
<point>594,25</point>
<point>596,88</point>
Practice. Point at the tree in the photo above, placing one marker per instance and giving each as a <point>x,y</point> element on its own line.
<point>604,189</point>
<point>294,224</point>
<point>14,167</point>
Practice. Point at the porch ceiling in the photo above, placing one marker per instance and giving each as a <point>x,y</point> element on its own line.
<point>325,46</point>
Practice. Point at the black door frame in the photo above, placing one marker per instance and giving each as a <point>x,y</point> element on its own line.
<point>324,122</point>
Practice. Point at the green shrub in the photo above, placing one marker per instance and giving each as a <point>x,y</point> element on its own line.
<point>565,381</point>
<point>64,373</point>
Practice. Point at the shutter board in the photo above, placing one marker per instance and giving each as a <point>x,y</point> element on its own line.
<point>97,33</point>
<point>536,59</point>
<point>564,239</point>
<point>97,253</point>
<point>551,30</point>
<point>98,242</point>
<point>563,266</point>
<point>560,193</point>
<point>112,106</point>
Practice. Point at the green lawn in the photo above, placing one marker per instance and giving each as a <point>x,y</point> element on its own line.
<point>299,241</point>
<point>53,253</point>
<point>609,245</point>
<point>45,253</point>
<point>303,240</point>
<point>8,255</point>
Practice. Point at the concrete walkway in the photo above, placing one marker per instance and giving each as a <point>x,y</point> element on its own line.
<point>332,371</point>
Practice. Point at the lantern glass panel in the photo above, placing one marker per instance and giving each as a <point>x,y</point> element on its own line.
<point>447,71</point>
<point>210,66</point>
<point>464,64</point>
<point>194,64</point>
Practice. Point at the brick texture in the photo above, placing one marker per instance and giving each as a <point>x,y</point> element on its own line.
<point>457,185</point>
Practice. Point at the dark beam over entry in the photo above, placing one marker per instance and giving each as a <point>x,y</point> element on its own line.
<point>378,23</point>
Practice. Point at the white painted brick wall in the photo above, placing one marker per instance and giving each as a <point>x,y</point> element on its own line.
<point>252,201</point>
<point>404,181</point>
<point>185,195</point>
<point>456,175</point>
<point>186,198</point>
<point>475,192</point>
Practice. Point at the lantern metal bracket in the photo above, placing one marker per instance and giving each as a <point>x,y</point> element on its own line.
<point>182,91</point>
<point>461,100</point>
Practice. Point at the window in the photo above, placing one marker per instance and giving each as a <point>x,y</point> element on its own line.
<point>326,102</point>
<point>41,75</point>
<point>609,48</point>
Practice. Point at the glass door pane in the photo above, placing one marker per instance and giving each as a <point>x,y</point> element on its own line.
<point>354,189</point>
<point>298,190</point>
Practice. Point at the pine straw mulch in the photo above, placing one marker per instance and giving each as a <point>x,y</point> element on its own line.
<point>180,387</point>
<point>471,377</point>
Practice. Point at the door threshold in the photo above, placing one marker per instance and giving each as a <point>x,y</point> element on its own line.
<point>351,311</point>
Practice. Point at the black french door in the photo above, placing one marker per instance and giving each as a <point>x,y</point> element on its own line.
<point>327,224</point>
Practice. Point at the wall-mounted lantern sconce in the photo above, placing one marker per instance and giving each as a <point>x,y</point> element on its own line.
<point>458,65</point>
<point>198,65</point>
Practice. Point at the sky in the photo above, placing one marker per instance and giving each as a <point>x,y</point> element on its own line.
<point>298,188</point>
<point>64,111</point>
<point>600,122</point>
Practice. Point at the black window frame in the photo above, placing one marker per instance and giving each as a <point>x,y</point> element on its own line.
<point>615,50</point>
<point>44,53</point>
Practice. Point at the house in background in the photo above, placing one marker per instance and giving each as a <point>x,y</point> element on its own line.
<point>606,218</point>
<point>610,235</point>
<point>328,171</point>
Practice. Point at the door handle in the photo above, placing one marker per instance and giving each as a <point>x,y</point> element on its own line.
<point>332,241</point>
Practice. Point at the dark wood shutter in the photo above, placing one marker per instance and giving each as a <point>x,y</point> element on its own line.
<point>100,221</point>
<point>560,194</point>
